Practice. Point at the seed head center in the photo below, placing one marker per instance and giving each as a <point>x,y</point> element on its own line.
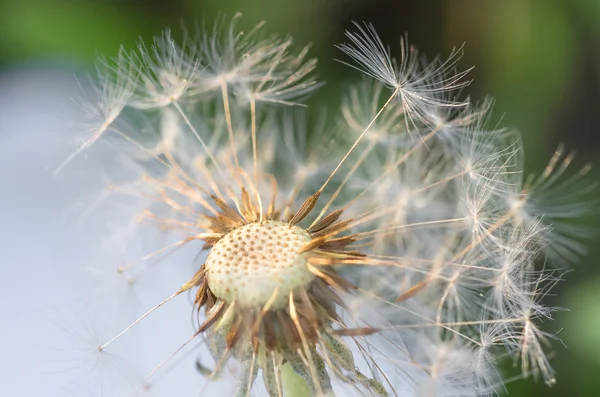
<point>257,262</point>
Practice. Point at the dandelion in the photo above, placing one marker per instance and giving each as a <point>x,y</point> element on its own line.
<point>392,254</point>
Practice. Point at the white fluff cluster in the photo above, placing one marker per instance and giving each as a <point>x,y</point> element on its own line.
<point>457,245</point>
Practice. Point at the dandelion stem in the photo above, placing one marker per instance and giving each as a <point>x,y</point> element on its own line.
<point>359,139</point>
<point>104,346</point>
<point>349,174</point>
<point>254,155</point>
<point>229,123</point>
<point>189,124</point>
<point>166,360</point>
<point>175,245</point>
<point>393,166</point>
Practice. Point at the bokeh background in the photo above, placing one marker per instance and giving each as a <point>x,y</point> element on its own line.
<point>539,59</point>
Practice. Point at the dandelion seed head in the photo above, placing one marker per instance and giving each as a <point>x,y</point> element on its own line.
<point>394,253</point>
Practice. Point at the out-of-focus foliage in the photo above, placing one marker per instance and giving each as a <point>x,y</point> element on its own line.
<point>76,30</point>
<point>540,59</point>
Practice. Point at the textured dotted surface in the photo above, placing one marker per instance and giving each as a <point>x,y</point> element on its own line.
<point>249,263</point>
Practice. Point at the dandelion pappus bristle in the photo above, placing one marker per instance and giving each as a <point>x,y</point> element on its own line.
<point>393,254</point>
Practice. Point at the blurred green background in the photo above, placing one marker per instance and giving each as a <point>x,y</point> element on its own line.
<point>539,59</point>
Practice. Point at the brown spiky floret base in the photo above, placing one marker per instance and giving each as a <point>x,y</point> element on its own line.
<point>306,330</point>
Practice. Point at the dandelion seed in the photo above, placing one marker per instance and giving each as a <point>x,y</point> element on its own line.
<point>103,103</point>
<point>166,72</point>
<point>424,89</point>
<point>358,262</point>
